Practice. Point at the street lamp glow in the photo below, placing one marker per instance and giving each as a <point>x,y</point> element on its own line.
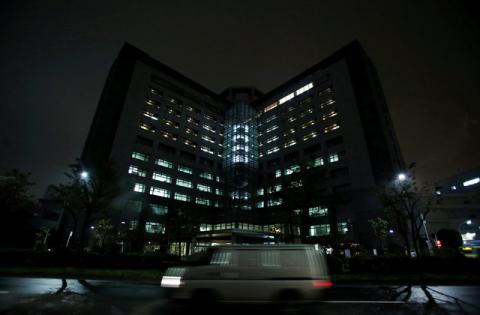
<point>401,177</point>
<point>391,231</point>
<point>469,222</point>
<point>84,175</point>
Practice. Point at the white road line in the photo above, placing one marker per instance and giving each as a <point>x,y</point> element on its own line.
<point>4,292</point>
<point>365,302</point>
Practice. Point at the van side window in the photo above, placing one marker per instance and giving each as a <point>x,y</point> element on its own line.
<point>249,258</point>
<point>221,257</point>
<point>270,258</point>
<point>294,258</point>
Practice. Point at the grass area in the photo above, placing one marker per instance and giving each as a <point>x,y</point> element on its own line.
<point>152,275</point>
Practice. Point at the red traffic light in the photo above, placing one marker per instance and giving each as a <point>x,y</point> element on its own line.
<point>438,243</point>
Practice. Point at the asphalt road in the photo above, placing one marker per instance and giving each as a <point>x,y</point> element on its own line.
<point>72,296</point>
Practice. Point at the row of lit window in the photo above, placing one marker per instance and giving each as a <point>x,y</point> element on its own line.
<point>161,192</point>
<point>324,229</point>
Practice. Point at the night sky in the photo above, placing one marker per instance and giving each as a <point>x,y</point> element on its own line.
<point>55,56</point>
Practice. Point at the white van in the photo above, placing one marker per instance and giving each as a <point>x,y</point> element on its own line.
<point>251,273</point>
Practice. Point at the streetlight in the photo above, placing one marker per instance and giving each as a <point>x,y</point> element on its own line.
<point>401,177</point>
<point>469,222</point>
<point>84,175</point>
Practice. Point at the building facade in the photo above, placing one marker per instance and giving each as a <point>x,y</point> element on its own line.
<point>204,168</point>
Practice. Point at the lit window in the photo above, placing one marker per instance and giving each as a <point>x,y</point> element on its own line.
<point>184,183</point>
<point>209,139</point>
<point>270,118</point>
<point>327,102</point>
<point>141,156</point>
<point>271,139</point>
<point>289,131</point>
<point>202,201</point>
<point>217,204</point>
<point>272,150</point>
<point>291,119</point>
<point>260,204</point>
<point>191,131</point>
<point>190,143</point>
<point>209,117</point>
<point>139,187</point>
<point>170,123</point>
<point>292,169</point>
<point>305,113</point>
<point>330,114</point>
<point>175,112</point>
<point>159,192</point>
<point>317,211</point>
<point>471,182</point>
<point>205,227</point>
<point>326,91</point>
<point>318,162</point>
<point>333,157</point>
<point>161,177</point>
<point>275,188</point>
<point>208,127</point>
<point>192,120</point>
<point>342,227</point>
<point>154,227</point>
<point>174,100</point>
<point>185,169</point>
<point>218,192</point>
<point>152,103</point>
<point>320,230</point>
<point>137,171</point>
<point>271,128</point>
<point>155,91</point>
<point>159,209</point>
<point>331,128</point>
<point>270,107</point>
<point>310,135</point>
<point>296,183</point>
<point>304,88</point>
<point>150,115</point>
<point>206,175</point>
<point>278,173</point>
<point>274,202</point>
<point>168,135</point>
<point>204,188</point>
<point>182,197</point>
<point>286,98</point>
<point>290,143</point>
<point>164,163</point>
<point>308,124</point>
<point>260,192</point>
<point>147,127</point>
<point>207,149</point>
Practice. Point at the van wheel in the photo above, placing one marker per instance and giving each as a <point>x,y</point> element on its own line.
<point>288,302</point>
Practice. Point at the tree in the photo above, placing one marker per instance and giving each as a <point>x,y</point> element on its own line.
<point>380,229</point>
<point>88,193</point>
<point>406,207</point>
<point>105,236</point>
<point>16,207</point>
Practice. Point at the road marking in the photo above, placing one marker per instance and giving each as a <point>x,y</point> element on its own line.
<point>365,302</point>
<point>4,292</point>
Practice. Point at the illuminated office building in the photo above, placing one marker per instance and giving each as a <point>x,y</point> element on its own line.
<point>205,168</point>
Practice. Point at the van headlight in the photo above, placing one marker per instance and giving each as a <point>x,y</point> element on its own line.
<point>171,282</point>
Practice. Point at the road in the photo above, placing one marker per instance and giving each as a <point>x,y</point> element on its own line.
<point>71,296</point>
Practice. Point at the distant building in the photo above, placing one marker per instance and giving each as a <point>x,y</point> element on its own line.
<point>206,168</point>
<point>458,205</point>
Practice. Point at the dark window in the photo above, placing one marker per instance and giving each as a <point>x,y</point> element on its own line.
<point>273,162</point>
<point>206,162</point>
<point>188,156</point>
<point>144,141</point>
<point>339,172</point>
<point>166,148</point>
<point>312,149</point>
<point>334,141</point>
<point>291,156</point>
<point>341,188</point>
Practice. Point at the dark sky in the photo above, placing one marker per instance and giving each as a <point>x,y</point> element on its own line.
<point>55,56</point>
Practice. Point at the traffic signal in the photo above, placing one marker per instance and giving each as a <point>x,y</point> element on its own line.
<point>438,243</point>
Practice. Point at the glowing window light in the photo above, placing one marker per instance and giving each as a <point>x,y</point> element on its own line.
<point>304,88</point>
<point>471,182</point>
<point>286,98</point>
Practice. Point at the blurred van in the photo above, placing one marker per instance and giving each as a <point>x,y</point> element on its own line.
<point>251,273</point>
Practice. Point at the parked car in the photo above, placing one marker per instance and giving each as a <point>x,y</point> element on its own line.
<point>251,273</point>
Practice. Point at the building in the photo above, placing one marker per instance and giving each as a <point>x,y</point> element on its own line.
<point>208,168</point>
<point>457,205</point>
